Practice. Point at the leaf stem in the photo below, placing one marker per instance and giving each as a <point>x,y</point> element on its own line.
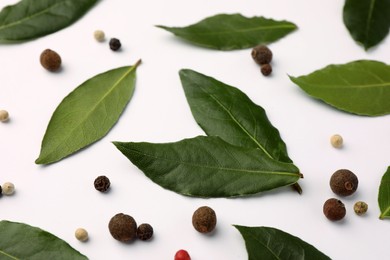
<point>137,63</point>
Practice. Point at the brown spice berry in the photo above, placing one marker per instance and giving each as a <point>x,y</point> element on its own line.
<point>102,183</point>
<point>204,219</point>
<point>266,69</point>
<point>344,182</point>
<point>360,207</point>
<point>261,54</point>
<point>123,227</point>
<point>334,209</point>
<point>145,231</point>
<point>50,60</point>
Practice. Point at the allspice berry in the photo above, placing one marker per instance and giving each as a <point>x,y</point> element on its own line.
<point>334,209</point>
<point>360,208</point>
<point>50,60</point>
<point>123,227</point>
<point>145,231</point>
<point>343,182</point>
<point>204,219</point>
<point>81,234</point>
<point>102,183</point>
<point>266,69</point>
<point>261,54</point>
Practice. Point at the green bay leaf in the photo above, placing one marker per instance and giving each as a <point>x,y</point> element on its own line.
<point>271,243</point>
<point>87,113</point>
<point>209,167</point>
<point>22,241</point>
<point>225,111</point>
<point>384,195</point>
<point>368,21</point>
<point>232,31</point>
<point>360,87</point>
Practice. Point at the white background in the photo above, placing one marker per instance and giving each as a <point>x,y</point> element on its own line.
<point>60,197</point>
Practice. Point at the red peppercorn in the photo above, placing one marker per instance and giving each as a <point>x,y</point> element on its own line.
<point>182,255</point>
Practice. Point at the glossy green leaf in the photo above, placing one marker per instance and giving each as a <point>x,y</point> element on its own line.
<point>29,19</point>
<point>368,21</point>
<point>384,195</point>
<point>209,167</point>
<point>233,31</point>
<point>21,241</point>
<point>225,111</point>
<point>360,87</point>
<point>271,243</point>
<point>87,113</point>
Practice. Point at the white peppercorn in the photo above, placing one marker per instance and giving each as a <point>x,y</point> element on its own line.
<point>81,234</point>
<point>336,141</point>
<point>8,188</point>
<point>99,35</point>
<point>4,116</point>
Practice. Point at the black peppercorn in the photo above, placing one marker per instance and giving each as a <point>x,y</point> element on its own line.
<point>334,209</point>
<point>102,183</point>
<point>261,54</point>
<point>115,44</point>
<point>50,60</point>
<point>145,232</point>
<point>343,182</point>
<point>204,219</point>
<point>1,190</point>
<point>266,69</point>
<point>123,227</point>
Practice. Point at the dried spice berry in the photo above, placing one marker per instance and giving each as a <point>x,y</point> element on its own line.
<point>81,234</point>
<point>182,255</point>
<point>334,209</point>
<point>8,188</point>
<point>102,183</point>
<point>204,219</point>
<point>99,35</point>
<point>266,69</point>
<point>261,54</point>
<point>115,44</point>
<point>50,60</point>
<point>344,182</point>
<point>123,227</point>
<point>336,141</point>
<point>4,116</point>
<point>145,232</point>
<point>360,207</point>
<point>1,190</point>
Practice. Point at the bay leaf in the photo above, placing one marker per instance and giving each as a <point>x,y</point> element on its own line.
<point>232,31</point>
<point>22,241</point>
<point>360,87</point>
<point>272,243</point>
<point>29,19</point>
<point>225,111</point>
<point>368,21</point>
<point>87,113</point>
<point>207,166</point>
<point>384,195</point>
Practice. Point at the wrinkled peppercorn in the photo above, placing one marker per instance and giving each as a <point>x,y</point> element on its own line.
<point>1,191</point>
<point>266,69</point>
<point>343,182</point>
<point>50,60</point>
<point>204,219</point>
<point>261,54</point>
<point>123,227</point>
<point>334,209</point>
<point>145,232</point>
<point>115,44</point>
<point>102,183</point>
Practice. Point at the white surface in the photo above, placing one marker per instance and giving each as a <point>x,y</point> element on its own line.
<point>60,198</point>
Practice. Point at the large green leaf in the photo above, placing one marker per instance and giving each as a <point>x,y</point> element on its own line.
<point>384,195</point>
<point>29,19</point>
<point>233,31</point>
<point>21,241</point>
<point>368,21</point>
<point>225,111</point>
<point>87,113</point>
<point>360,87</point>
<point>271,243</point>
<point>209,167</point>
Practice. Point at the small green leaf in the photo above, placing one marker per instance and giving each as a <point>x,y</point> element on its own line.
<point>368,21</point>
<point>360,87</point>
<point>384,195</point>
<point>233,31</point>
<point>87,113</point>
<point>209,167</point>
<point>29,19</point>
<point>21,241</point>
<point>224,111</point>
<point>271,243</point>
